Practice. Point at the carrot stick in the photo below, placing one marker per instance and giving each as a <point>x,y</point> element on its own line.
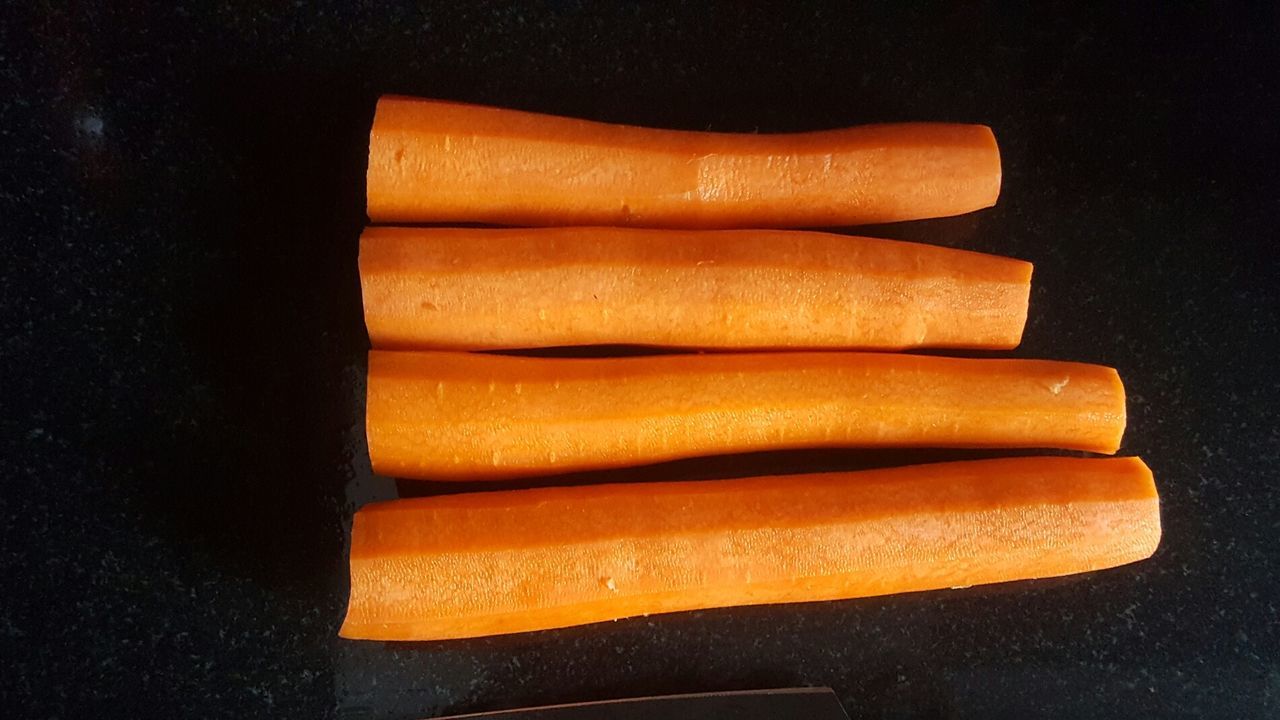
<point>466,289</point>
<point>433,161</point>
<point>442,415</point>
<point>503,562</point>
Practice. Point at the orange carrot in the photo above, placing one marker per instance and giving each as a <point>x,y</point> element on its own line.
<point>443,415</point>
<point>468,289</point>
<point>432,161</point>
<point>504,562</point>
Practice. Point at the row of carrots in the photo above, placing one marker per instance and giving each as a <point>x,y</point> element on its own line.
<point>507,561</point>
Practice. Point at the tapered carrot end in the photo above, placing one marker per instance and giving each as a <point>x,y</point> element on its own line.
<point>994,171</point>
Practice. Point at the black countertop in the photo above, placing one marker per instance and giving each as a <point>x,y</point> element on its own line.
<point>183,348</point>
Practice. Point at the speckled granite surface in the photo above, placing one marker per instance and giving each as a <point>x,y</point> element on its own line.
<point>183,350</point>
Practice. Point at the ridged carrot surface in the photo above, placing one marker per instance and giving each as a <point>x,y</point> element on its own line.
<point>464,289</point>
<point>434,161</point>
<point>445,415</point>
<point>513,561</point>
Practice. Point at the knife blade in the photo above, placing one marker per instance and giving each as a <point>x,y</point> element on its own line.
<point>778,704</point>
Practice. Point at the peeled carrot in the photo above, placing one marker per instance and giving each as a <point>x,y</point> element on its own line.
<point>433,161</point>
<point>467,289</point>
<point>443,415</point>
<point>489,563</point>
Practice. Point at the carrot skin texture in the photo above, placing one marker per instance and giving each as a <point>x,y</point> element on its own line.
<point>436,161</point>
<point>464,416</point>
<point>514,561</point>
<point>484,289</point>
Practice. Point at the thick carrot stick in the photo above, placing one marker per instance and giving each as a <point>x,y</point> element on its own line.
<point>433,161</point>
<point>466,289</point>
<point>443,415</point>
<point>513,561</point>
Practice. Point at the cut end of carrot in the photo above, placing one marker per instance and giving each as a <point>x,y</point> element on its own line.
<point>1109,443</point>
<point>996,171</point>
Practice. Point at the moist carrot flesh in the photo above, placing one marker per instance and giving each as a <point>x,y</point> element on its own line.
<point>434,161</point>
<point>514,561</point>
<point>468,289</point>
<point>456,416</point>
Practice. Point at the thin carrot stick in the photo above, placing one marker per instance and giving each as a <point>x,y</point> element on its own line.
<point>433,161</point>
<point>467,289</point>
<point>444,415</point>
<point>514,561</point>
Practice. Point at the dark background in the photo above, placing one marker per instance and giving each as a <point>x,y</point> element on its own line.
<point>183,351</point>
